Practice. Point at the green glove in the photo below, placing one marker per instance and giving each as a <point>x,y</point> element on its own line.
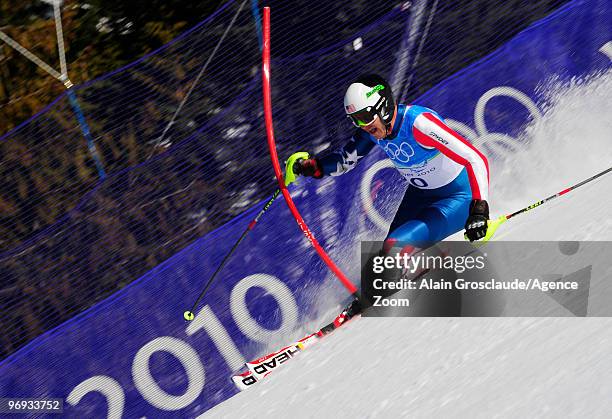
<point>290,174</point>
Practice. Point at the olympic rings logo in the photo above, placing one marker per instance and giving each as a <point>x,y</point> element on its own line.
<point>401,154</point>
<point>496,144</point>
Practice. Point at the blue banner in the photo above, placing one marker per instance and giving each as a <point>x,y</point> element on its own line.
<point>133,355</point>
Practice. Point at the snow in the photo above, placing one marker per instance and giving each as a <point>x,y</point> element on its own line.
<point>478,367</point>
<point>386,367</point>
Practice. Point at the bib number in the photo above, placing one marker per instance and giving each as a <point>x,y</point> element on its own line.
<point>418,182</point>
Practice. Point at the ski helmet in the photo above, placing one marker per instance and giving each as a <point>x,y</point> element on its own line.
<point>368,97</point>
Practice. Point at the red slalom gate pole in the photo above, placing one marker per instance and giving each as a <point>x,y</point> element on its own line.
<point>267,97</point>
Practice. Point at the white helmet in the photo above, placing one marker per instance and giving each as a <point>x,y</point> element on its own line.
<point>368,97</point>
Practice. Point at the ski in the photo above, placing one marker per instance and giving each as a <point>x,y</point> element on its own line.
<point>260,368</point>
<point>244,380</point>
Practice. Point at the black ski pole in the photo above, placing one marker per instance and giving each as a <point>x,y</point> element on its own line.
<point>494,224</point>
<point>188,315</point>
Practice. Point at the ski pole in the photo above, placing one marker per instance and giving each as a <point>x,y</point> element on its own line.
<point>289,179</point>
<point>493,225</point>
<point>188,315</point>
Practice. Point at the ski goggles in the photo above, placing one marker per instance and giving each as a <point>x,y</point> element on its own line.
<point>364,117</point>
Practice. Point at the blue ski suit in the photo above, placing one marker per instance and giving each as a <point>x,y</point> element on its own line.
<point>445,172</point>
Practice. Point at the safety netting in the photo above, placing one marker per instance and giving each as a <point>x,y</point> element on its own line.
<point>180,134</point>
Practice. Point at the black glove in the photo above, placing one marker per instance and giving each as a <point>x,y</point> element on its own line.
<point>476,224</point>
<point>308,167</point>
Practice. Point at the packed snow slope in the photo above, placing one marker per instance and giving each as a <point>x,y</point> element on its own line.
<point>479,367</point>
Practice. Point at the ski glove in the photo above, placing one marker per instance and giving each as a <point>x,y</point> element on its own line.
<point>308,167</point>
<point>476,224</point>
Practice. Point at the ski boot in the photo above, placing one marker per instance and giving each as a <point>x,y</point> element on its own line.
<point>345,315</point>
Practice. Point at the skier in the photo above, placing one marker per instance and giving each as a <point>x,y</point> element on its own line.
<point>448,178</point>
